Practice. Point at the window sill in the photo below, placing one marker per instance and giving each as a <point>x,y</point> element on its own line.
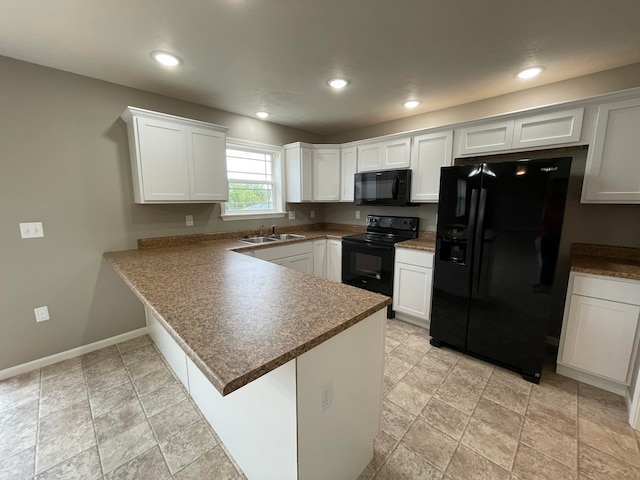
<point>251,216</point>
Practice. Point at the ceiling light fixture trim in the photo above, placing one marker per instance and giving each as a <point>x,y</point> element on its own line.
<point>165,58</point>
<point>338,83</point>
<point>262,114</point>
<point>411,103</point>
<point>530,72</point>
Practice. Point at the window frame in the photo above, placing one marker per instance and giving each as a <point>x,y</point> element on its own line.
<point>278,180</point>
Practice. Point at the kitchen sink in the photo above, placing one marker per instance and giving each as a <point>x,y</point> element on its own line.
<point>270,238</point>
<point>258,239</point>
<point>285,236</point>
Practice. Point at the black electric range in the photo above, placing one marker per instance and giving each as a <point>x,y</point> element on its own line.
<point>367,258</point>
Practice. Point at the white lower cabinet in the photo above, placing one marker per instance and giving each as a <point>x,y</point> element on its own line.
<point>334,260</point>
<point>412,284</point>
<point>320,258</point>
<point>599,340</point>
<point>169,348</point>
<point>297,256</point>
<point>274,425</point>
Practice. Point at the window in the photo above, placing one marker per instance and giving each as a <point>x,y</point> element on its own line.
<point>254,173</point>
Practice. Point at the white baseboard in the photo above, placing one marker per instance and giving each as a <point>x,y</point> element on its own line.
<point>604,384</point>
<point>74,352</point>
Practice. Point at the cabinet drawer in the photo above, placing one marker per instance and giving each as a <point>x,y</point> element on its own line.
<point>609,289</point>
<point>414,257</point>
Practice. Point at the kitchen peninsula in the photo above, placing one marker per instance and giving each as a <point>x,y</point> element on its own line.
<point>286,367</point>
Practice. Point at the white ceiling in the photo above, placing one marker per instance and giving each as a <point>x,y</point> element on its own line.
<point>276,55</point>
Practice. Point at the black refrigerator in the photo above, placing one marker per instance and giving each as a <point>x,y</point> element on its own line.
<point>497,241</point>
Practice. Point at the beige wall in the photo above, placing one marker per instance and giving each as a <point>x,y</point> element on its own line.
<point>64,161</point>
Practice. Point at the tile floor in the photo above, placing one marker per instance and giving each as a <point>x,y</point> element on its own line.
<point>119,413</point>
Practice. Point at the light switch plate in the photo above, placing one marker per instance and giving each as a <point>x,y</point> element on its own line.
<point>31,230</point>
<point>312,214</point>
<point>357,214</point>
<point>189,220</point>
<point>292,215</point>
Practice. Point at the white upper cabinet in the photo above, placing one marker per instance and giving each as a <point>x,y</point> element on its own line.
<point>174,159</point>
<point>297,159</point>
<point>490,137</point>
<point>386,155</point>
<point>312,172</point>
<point>536,131</point>
<point>348,166</point>
<point>429,153</point>
<point>326,174</point>
<point>548,129</point>
<point>613,170</point>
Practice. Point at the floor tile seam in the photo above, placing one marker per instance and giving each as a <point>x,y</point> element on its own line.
<point>102,442</point>
<point>602,424</point>
<point>413,451</point>
<point>190,463</point>
<point>478,420</point>
<point>482,454</point>
<point>637,467</point>
<point>575,470</point>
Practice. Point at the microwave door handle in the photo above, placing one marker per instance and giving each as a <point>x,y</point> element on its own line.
<point>394,189</point>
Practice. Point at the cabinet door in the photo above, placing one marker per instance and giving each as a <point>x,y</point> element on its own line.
<point>320,258</point>
<point>163,160</point>
<point>600,337</point>
<point>412,290</point>
<point>613,171</point>
<point>370,157</point>
<point>485,138</point>
<point>208,165</point>
<point>297,158</point>
<point>548,129</point>
<point>348,168</point>
<point>397,154</point>
<point>430,152</point>
<point>334,260</point>
<point>326,174</point>
<point>301,263</point>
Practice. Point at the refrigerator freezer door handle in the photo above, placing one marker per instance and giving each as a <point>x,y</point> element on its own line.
<point>472,224</point>
<point>479,238</point>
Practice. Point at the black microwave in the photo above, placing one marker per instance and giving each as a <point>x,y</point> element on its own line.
<point>388,187</point>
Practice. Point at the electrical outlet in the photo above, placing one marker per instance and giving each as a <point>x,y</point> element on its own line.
<point>292,215</point>
<point>31,230</point>
<point>357,214</point>
<point>42,313</point>
<point>326,396</point>
<point>312,214</point>
<point>189,220</point>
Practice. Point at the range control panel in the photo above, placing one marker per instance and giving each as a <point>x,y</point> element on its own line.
<point>391,224</point>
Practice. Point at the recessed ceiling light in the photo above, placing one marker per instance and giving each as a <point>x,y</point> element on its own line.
<point>338,83</point>
<point>412,103</point>
<point>530,72</point>
<point>262,114</point>
<point>165,58</point>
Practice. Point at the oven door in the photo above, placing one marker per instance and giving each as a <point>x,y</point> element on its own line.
<point>368,266</point>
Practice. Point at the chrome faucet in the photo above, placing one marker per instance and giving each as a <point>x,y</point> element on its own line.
<point>261,231</point>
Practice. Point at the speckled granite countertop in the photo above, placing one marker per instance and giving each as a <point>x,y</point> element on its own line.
<point>238,317</point>
<point>426,241</point>
<point>621,262</point>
